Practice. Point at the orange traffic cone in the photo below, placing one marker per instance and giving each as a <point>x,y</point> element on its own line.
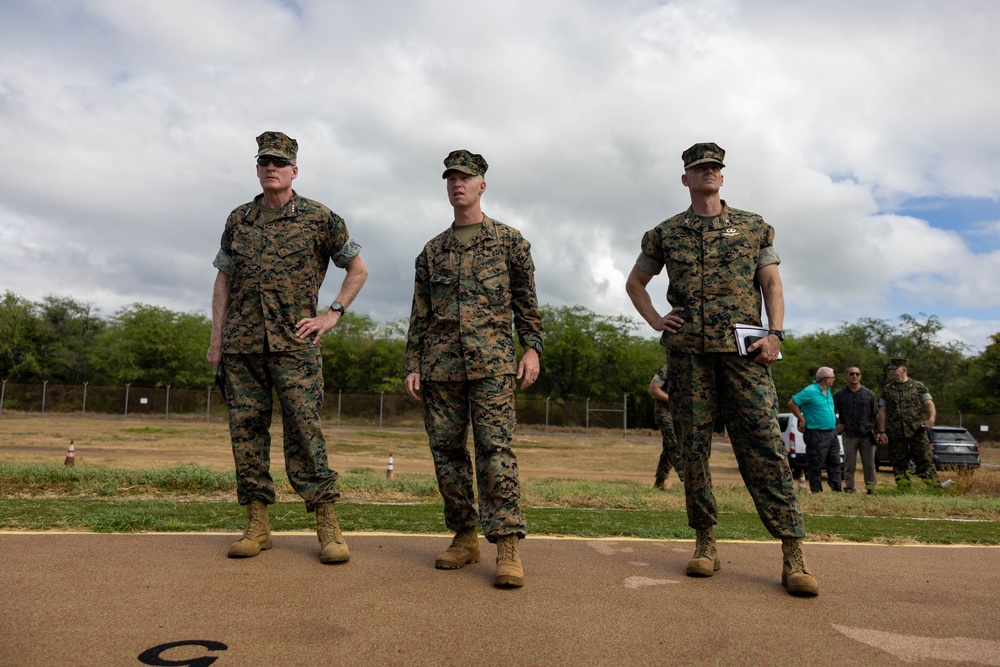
<point>70,455</point>
<point>389,474</point>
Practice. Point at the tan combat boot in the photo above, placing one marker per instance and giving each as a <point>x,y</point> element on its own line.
<point>795,575</point>
<point>705,561</point>
<point>464,550</point>
<point>334,548</point>
<point>509,573</point>
<point>257,534</point>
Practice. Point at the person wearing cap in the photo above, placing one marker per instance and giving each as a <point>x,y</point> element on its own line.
<point>472,281</point>
<point>670,455</point>
<point>813,407</point>
<point>722,267</point>
<point>266,332</point>
<point>901,424</point>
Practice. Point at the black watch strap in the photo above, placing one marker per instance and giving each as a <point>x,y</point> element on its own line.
<point>777,332</point>
<point>338,307</point>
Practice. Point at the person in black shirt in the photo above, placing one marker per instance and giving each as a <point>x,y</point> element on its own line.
<point>856,408</point>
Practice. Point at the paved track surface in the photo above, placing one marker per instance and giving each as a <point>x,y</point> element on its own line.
<point>88,599</point>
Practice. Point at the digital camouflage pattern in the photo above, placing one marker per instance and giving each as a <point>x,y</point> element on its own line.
<point>904,407</point>
<point>472,164</point>
<point>490,401</point>
<point>670,456</point>
<point>278,144</point>
<point>904,417</point>
<point>298,379</point>
<point>464,298</point>
<point>703,153</point>
<point>700,385</point>
<point>276,270</point>
<point>712,274</point>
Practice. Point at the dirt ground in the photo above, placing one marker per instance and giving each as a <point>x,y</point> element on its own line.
<point>140,443</point>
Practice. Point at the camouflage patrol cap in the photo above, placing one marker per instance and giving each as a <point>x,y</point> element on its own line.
<point>462,160</point>
<point>702,153</point>
<point>277,144</point>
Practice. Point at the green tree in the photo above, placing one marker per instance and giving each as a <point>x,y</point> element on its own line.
<point>153,346</point>
<point>71,329</point>
<point>363,356</point>
<point>21,339</point>
<point>597,356</point>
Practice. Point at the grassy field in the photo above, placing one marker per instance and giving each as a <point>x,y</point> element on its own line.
<point>156,475</point>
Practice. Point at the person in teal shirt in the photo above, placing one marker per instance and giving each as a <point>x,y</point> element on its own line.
<point>818,424</point>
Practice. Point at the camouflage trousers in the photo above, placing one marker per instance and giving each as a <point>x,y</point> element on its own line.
<point>915,448</point>
<point>670,456</point>
<point>297,379</point>
<point>743,392</point>
<point>447,410</point>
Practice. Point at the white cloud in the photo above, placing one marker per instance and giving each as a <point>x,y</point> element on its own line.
<point>128,130</point>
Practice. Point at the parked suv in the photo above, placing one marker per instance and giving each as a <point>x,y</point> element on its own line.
<point>795,444</point>
<point>950,445</point>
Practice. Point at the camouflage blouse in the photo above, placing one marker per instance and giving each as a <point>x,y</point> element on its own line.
<point>276,269</point>
<point>712,270</point>
<point>467,302</point>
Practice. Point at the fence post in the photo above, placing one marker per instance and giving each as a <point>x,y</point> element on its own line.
<point>167,414</point>
<point>547,413</point>
<point>381,404</point>
<point>85,398</point>
<point>45,384</point>
<point>340,398</point>
<point>3,390</point>
<point>208,405</point>
<point>587,423</point>
<point>624,415</point>
<point>127,385</point>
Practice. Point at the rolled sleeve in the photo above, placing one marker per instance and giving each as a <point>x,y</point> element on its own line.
<point>767,257</point>
<point>347,253</point>
<point>224,262</point>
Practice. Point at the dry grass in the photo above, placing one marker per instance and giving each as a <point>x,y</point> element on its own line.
<point>559,454</point>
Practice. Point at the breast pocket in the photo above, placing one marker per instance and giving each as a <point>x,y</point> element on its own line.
<point>494,278</point>
<point>443,287</point>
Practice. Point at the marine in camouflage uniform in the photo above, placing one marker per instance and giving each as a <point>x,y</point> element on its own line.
<point>471,282</point>
<point>670,456</point>
<point>274,254</point>
<point>901,422</point>
<point>722,266</point>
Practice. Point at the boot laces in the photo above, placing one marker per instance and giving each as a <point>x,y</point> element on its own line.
<point>253,521</point>
<point>327,525</point>
<point>508,548</point>
<point>703,540</point>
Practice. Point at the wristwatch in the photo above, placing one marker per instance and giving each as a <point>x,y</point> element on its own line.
<point>777,332</point>
<point>537,347</point>
<point>338,307</point>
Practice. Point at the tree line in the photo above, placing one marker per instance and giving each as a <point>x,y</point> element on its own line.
<point>587,355</point>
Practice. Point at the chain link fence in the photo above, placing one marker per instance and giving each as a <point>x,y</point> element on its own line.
<point>379,410</point>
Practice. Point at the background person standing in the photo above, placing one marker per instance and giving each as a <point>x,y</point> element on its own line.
<point>273,258</point>
<point>856,410</point>
<point>818,425</point>
<point>671,452</point>
<point>474,285</point>
<point>900,422</point>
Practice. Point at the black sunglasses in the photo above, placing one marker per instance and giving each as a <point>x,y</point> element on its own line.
<point>279,162</point>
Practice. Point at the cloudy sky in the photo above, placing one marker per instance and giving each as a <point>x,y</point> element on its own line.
<point>866,133</point>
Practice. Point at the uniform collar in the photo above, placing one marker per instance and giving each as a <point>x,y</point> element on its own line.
<point>693,220</point>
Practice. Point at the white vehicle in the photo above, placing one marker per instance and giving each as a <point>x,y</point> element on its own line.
<point>795,444</point>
